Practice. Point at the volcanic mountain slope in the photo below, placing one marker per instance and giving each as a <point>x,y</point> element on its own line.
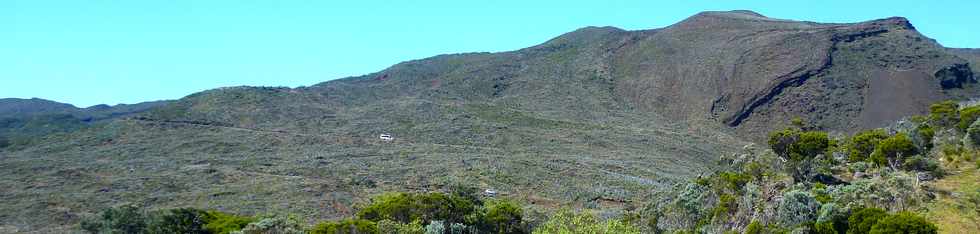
<point>738,68</point>
<point>971,55</point>
<point>598,117</point>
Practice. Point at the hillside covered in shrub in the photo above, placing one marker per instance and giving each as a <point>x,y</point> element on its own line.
<point>807,181</point>
<point>597,130</point>
<point>887,180</point>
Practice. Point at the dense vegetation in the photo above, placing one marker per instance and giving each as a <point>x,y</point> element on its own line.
<point>809,181</point>
<point>396,213</point>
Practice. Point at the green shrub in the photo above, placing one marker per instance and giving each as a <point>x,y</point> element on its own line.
<point>122,219</point>
<point>458,228</point>
<point>435,227</point>
<point>758,170</point>
<point>181,220</point>
<point>565,221</point>
<point>757,228</point>
<point>893,149</point>
<point>702,181</point>
<point>734,181</point>
<point>863,219</point>
<point>690,205</point>
<point>726,204</point>
<point>863,143</point>
<point>824,228</point>
<point>754,228</point>
<point>797,208</point>
<point>973,133</point>
<point>274,224</point>
<point>903,222</point>
<point>922,163</point>
<point>798,122</point>
<point>944,113</point>
<point>821,193</point>
<point>224,223</point>
<point>392,227</point>
<point>796,145</point>
<point>859,166</point>
<point>925,133</point>
<point>781,141</point>
<point>399,207</point>
<point>346,226</point>
<point>799,148</point>
<point>502,217</point>
<point>132,219</point>
<point>405,208</point>
<point>831,219</point>
<point>892,190</point>
<point>967,117</point>
<point>811,144</point>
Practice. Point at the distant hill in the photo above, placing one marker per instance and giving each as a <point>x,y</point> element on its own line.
<point>598,117</point>
<point>23,119</point>
<point>18,108</point>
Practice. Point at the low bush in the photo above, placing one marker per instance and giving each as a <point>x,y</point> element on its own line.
<point>755,227</point>
<point>567,222</point>
<point>821,193</point>
<point>274,224</point>
<point>893,150</point>
<point>810,144</point>
<point>967,117</point>
<point>781,141</point>
<point>798,145</point>
<point>122,219</point>
<point>346,226</point>
<point>925,133</point>
<point>797,208</point>
<point>831,219</point>
<point>502,217</point>
<point>944,113</point>
<point>861,220</point>
<point>973,133</point>
<point>922,163</point>
<point>726,204</point>
<point>860,146</point>
<point>734,181</point>
<point>435,227</point>
<point>180,220</point>
<point>903,222</point>
<point>405,208</point>
<point>393,227</point>
<point>224,223</point>
<point>133,219</point>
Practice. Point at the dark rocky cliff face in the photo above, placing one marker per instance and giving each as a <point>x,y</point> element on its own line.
<point>955,76</point>
<point>754,73</point>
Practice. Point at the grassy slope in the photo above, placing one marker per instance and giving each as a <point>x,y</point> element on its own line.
<point>323,174</point>
<point>957,207</point>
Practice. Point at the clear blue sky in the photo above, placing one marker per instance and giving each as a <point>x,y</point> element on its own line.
<point>101,51</point>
